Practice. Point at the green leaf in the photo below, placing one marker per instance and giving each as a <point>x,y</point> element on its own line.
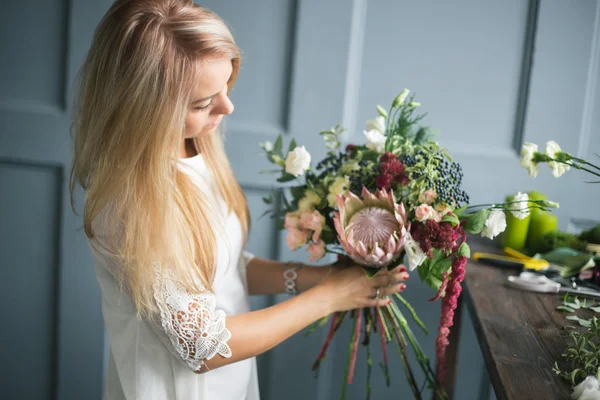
<point>464,250</point>
<point>573,305</point>
<point>278,146</point>
<point>475,222</point>
<point>286,178</point>
<point>292,145</point>
<point>573,317</point>
<point>451,218</point>
<point>459,211</point>
<point>565,308</point>
<point>268,200</point>
<point>595,309</point>
<point>297,191</point>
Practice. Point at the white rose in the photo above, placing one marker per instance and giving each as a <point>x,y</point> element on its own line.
<point>375,140</point>
<point>527,158</point>
<point>588,389</point>
<point>552,150</point>
<point>520,210</point>
<point>494,225</point>
<point>297,161</point>
<point>377,124</point>
<point>414,253</point>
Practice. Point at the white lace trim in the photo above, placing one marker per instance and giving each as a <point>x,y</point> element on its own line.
<point>197,331</point>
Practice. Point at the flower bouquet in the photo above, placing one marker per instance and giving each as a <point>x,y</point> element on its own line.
<point>397,196</point>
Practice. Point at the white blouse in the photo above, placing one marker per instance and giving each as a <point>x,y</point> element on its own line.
<point>157,359</point>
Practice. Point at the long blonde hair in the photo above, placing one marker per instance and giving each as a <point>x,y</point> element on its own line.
<point>132,96</point>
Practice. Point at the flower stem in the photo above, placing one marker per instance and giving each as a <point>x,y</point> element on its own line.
<point>421,357</point>
<point>401,344</point>
<point>355,339</point>
<point>368,330</point>
<point>327,342</point>
<point>382,332</point>
<point>412,311</point>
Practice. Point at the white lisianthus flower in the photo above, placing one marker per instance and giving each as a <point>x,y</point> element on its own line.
<point>414,253</point>
<point>297,161</point>
<point>377,124</point>
<point>527,153</point>
<point>520,210</point>
<point>494,225</point>
<point>268,146</point>
<point>552,150</point>
<point>588,389</point>
<point>375,140</point>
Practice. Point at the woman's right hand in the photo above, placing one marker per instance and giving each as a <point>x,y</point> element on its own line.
<point>349,287</point>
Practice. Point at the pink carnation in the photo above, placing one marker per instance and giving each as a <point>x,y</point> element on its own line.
<point>296,238</point>
<point>314,221</point>
<point>316,250</point>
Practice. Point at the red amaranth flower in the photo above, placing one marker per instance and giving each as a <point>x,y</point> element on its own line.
<point>431,234</point>
<point>384,181</point>
<point>390,165</point>
<point>449,304</point>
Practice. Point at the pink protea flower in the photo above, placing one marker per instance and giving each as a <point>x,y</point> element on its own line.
<point>372,229</point>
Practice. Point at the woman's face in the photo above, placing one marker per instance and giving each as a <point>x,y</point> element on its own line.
<point>209,102</point>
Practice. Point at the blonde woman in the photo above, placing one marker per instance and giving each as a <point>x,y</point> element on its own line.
<point>166,220</point>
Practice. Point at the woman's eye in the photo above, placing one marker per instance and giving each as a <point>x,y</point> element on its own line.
<point>204,107</point>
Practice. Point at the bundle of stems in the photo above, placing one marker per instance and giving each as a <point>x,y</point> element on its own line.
<point>383,324</point>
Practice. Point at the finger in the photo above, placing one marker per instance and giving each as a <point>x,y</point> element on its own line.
<point>400,268</point>
<point>392,289</point>
<point>380,280</point>
<point>377,302</point>
<point>400,276</point>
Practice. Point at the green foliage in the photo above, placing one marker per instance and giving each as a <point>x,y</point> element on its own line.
<point>554,240</point>
<point>583,352</point>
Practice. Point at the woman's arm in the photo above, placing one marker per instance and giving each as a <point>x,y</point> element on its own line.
<point>256,332</point>
<point>343,289</point>
<point>266,276</point>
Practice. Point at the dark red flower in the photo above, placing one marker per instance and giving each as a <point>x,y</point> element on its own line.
<point>386,157</point>
<point>384,181</point>
<point>390,165</point>
<point>350,149</point>
<point>433,235</point>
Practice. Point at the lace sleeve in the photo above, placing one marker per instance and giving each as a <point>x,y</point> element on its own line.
<point>195,329</point>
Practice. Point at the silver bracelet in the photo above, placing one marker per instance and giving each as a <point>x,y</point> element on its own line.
<point>290,274</point>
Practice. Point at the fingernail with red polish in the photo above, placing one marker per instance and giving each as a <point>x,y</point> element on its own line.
<point>402,287</point>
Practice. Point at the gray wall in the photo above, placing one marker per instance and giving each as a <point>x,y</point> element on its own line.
<point>490,75</point>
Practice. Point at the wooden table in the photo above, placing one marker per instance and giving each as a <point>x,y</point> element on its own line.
<point>520,333</point>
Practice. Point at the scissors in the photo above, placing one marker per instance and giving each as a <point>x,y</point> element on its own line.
<point>536,282</point>
<point>512,259</point>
